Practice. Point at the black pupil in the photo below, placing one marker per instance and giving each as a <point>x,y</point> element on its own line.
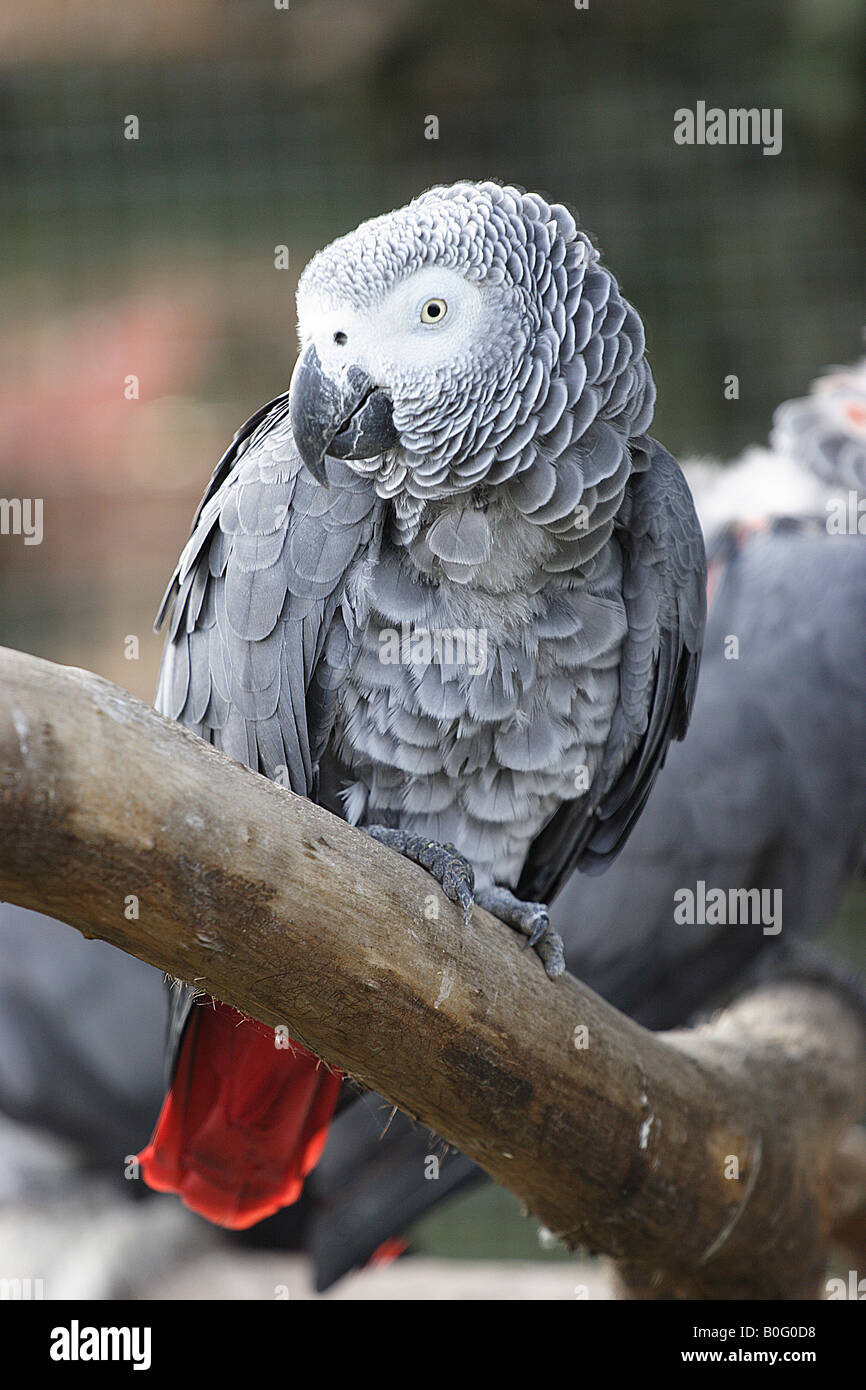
<point>433,311</point>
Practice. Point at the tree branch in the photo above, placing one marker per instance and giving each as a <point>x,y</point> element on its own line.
<point>705,1154</point>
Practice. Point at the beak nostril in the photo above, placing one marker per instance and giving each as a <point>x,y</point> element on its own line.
<point>340,338</point>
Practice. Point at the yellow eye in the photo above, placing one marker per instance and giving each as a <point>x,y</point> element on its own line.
<point>434,311</point>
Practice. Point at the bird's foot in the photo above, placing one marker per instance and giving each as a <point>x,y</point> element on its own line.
<point>455,875</point>
<point>531,919</point>
<point>443,862</point>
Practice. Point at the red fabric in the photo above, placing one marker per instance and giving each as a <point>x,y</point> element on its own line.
<point>244,1122</point>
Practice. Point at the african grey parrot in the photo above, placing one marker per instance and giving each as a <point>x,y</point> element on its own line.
<point>783,800</point>
<point>767,791</point>
<point>462,457</point>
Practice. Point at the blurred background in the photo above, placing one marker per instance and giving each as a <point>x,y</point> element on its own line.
<point>261,127</point>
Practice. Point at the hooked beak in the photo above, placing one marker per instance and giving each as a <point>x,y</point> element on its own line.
<point>346,416</point>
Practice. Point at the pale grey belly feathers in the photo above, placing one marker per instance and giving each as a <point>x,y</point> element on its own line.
<point>479,740</point>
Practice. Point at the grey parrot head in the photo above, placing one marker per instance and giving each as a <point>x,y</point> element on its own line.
<point>460,339</point>
<point>826,430</point>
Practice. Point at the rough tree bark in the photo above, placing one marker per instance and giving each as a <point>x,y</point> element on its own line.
<point>701,1160</point>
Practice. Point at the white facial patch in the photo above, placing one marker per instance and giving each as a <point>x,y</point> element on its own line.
<point>399,335</point>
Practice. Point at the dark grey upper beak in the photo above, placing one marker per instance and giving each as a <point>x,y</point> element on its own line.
<point>344,416</point>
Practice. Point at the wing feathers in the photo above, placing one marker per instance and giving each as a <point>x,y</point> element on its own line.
<point>664,588</point>
<point>253,661</point>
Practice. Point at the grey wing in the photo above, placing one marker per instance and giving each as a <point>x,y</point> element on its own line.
<point>270,411</point>
<point>261,616</point>
<point>664,590</point>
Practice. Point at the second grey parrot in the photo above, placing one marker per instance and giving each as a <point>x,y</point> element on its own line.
<point>448,586</point>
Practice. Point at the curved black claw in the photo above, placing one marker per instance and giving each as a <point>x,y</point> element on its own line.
<point>531,919</point>
<point>443,862</point>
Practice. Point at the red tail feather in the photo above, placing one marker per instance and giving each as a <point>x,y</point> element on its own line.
<point>243,1123</point>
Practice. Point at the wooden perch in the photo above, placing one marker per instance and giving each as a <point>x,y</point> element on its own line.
<point>703,1155</point>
